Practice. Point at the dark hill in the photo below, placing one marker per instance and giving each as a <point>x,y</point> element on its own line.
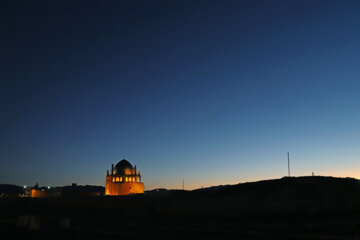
<point>287,185</point>
<point>66,190</point>
<point>289,194</point>
<point>80,188</point>
<point>9,188</point>
<point>287,208</point>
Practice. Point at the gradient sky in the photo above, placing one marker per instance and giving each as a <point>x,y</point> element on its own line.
<point>213,92</point>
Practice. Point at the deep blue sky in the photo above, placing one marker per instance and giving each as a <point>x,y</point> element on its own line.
<point>213,92</point>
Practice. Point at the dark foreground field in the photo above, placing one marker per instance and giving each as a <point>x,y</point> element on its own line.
<point>288,208</point>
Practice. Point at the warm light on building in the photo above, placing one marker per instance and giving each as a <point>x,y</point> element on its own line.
<point>123,170</point>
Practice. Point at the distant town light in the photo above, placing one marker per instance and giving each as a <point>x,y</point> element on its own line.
<point>25,186</point>
<point>49,187</point>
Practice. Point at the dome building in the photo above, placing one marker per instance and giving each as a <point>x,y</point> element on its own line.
<point>123,180</point>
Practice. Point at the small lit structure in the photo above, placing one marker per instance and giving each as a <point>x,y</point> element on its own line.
<point>123,180</point>
<point>42,192</point>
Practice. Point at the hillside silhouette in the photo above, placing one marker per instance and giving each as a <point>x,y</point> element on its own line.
<point>65,190</point>
<point>10,188</point>
<point>287,208</point>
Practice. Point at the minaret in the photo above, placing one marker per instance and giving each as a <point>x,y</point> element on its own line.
<point>112,169</point>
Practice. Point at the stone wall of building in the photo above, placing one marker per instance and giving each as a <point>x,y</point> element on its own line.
<point>39,193</point>
<point>124,188</point>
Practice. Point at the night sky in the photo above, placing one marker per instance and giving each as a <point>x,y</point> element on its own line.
<point>213,92</point>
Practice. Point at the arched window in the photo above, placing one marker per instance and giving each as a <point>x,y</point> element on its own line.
<point>133,179</point>
<point>137,179</point>
<point>113,179</point>
<point>117,179</point>
<point>126,179</point>
<point>120,179</point>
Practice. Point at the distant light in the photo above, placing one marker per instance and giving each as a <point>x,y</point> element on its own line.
<point>49,187</point>
<point>25,186</point>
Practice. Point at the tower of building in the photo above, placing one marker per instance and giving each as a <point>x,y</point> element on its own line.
<point>123,179</point>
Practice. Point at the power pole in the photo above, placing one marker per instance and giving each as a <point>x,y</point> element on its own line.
<point>288,164</point>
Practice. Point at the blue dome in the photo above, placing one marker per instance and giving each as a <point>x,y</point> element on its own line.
<point>120,166</point>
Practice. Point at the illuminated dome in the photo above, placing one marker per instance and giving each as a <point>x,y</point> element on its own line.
<point>120,166</point>
<point>123,179</point>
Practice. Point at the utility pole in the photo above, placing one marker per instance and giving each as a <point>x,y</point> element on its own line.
<point>183,184</point>
<point>288,164</point>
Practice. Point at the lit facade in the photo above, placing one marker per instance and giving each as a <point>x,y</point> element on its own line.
<point>123,179</point>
